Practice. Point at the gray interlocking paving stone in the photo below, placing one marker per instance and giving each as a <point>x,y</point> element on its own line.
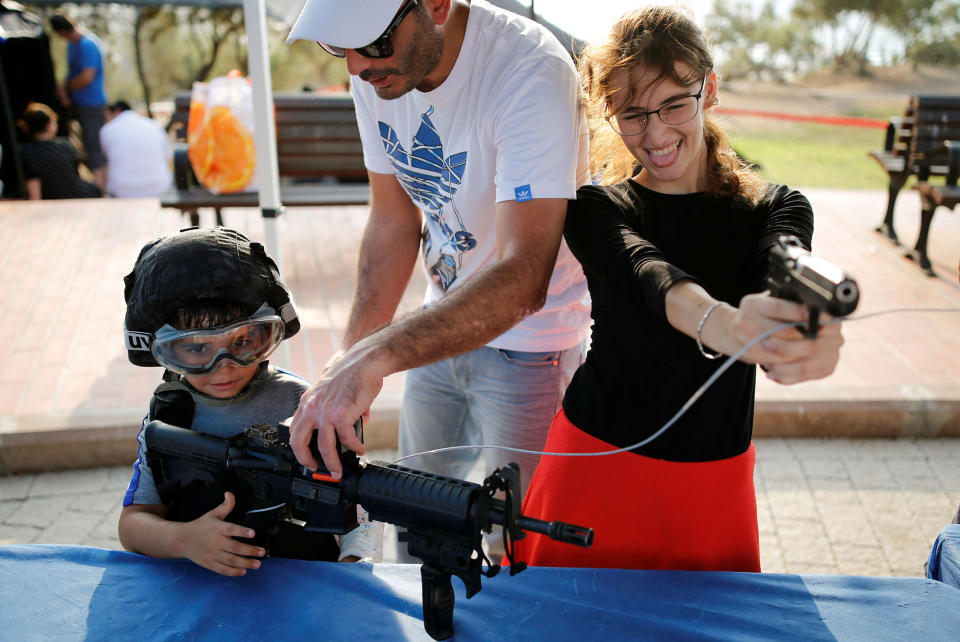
<point>770,448</point>
<point>910,571</point>
<point>11,534</point>
<point>791,505</point>
<point>908,556</point>
<point>928,503</point>
<point>948,472</point>
<point>908,467</point>
<point>107,527</point>
<point>825,468</point>
<point>803,541</point>
<point>99,502</point>
<point>885,506</point>
<point>119,477</point>
<point>852,532</point>
<point>15,487</point>
<point>6,508</point>
<point>765,523</point>
<point>882,448</point>
<point>828,486</point>
<point>70,482</point>
<point>69,527</point>
<point>940,448</point>
<point>867,473</point>
<point>781,469</point>
<point>861,559</point>
<point>38,511</point>
<point>103,542</point>
<point>820,449</point>
<point>929,484</point>
<point>809,568</point>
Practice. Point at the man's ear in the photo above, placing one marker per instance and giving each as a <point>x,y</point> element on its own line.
<point>440,10</point>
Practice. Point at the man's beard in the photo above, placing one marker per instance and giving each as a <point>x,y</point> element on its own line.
<point>420,59</point>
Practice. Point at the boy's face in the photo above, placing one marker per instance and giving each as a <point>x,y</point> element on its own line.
<point>226,382</point>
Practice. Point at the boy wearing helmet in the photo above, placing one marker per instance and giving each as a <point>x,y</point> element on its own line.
<point>209,306</point>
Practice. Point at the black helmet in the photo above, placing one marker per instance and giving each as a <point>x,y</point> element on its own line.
<point>181,269</point>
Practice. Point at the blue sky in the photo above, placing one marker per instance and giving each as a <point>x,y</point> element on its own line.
<point>593,23</point>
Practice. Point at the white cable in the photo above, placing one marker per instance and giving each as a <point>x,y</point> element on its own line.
<point>693,399</point>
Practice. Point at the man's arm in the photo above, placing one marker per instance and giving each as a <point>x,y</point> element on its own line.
<point>388,254</point>
<point>489,303</point>
<point>82,79</point>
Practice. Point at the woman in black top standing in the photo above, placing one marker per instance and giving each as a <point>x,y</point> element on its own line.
<point>674,244</point>
<point>49,162</point>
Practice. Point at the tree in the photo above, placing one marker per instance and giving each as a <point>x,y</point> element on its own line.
<point>853,23</point>
<point>759,42</point>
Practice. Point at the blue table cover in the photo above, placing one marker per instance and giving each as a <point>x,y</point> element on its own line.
<point>81,593</point>
<point>944,563</point>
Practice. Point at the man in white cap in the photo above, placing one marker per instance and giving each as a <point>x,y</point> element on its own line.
<point>473,142</point>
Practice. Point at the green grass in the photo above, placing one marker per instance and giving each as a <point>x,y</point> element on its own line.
<point>810,154</point>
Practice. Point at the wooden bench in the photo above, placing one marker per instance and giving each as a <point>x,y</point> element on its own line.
<point>319,157</point>
<point>913,146</point>
<point>934,196</point>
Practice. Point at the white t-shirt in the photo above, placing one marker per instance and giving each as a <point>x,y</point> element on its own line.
<point>503,126</point>
<point>138,156</point>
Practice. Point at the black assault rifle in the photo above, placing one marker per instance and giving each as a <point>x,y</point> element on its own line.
<point>799,276</point>
<point>443,516</point>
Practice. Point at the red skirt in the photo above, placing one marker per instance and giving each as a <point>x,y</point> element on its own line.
<point>645,513</point>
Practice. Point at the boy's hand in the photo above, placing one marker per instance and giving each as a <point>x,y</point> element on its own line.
<point>208,542</point>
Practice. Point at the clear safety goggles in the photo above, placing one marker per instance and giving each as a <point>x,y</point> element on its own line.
<point>204,351</point>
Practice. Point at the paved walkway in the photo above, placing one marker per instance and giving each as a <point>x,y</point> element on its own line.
<point>69,399</point>
<point>847,506</point>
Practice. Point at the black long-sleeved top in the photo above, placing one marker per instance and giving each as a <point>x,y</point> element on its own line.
<point>634,244</point>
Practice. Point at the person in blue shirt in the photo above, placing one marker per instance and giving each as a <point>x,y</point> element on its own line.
<point>83,90</point>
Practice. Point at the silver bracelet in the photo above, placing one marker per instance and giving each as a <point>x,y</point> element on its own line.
<point>703,321</point>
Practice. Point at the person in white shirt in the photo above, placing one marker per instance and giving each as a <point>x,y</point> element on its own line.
<point>473,142</point>
<point>138,153</point>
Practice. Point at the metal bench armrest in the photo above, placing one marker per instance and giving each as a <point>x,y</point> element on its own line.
<point>183,175</point>
<point>953,147</point>
<point>893,128</point>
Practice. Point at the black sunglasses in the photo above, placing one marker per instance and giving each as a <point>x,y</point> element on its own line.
<point>382,47</point>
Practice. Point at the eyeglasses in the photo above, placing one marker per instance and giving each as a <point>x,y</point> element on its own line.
<point>204,351</point>
<point>676,112</point>
<point>382,47</point>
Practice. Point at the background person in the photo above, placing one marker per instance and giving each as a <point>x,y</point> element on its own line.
<point>138,153</point>
<point>83,90</point>
<point>213,333</point>
<point>675,258</point>
<point>473,143</point>
<point>49,162</point>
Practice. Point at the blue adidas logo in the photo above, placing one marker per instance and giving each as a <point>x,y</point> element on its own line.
<point>523,193</point>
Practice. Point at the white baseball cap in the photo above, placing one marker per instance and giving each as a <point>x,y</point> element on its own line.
<point>349,24</point>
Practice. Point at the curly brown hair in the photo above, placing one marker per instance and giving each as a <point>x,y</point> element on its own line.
<point>655,37</point>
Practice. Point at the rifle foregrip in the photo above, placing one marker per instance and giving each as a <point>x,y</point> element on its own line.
<point>408,497</point>
<point>438,602</point>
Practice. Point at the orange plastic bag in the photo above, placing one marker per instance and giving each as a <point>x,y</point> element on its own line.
<point>220,135</point>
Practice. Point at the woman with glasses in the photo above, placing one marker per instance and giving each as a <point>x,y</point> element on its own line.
<point>674,244</point>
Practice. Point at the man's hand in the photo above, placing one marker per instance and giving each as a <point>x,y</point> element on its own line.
<point>208,542</point>
<point>344,392</point>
